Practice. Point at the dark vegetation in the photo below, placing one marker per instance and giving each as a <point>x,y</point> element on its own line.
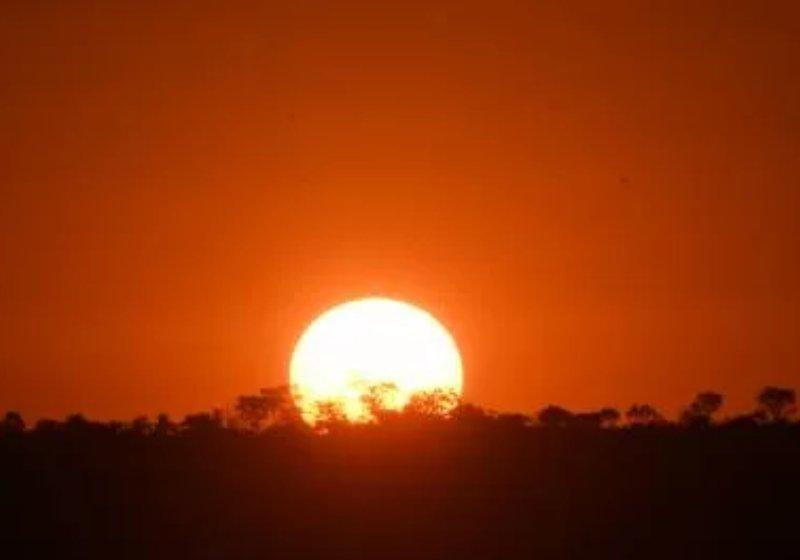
<point>427,482</point>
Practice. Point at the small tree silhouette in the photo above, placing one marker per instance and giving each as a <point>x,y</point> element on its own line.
<point>272,405</point>
<point>777,403</point>
<point>203,423</point>
<point>512,421</point>
<point>643,415</point>
<point>282,409</point>
<point>141,426</point>
<point>380,399</point>
<point>555,417</point>
<point>330,416</point>
<point>603,418</point>
<point>609,417</point>
<point>164,426</point>
<point>700,411</point>
<point>253,410</point>
<point>12,423</point>
<point>47,426</point>
<point>467,414</point>
<point>77,424</point>
<point>434,404</point>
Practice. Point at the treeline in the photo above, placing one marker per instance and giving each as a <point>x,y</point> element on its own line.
<point>438,479</point>
<point>274,409</point>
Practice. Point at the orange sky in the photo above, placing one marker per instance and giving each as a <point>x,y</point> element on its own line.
<point>600,200</point>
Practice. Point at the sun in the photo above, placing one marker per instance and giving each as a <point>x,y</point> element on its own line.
<point>367,344</point>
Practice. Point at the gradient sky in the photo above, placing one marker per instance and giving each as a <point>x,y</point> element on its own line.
<point>599,199</point>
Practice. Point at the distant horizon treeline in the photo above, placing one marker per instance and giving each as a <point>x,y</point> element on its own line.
<point>428,481</point>
<point>274,409</point>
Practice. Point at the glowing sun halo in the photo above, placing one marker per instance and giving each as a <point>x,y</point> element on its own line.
<point>371,342</point>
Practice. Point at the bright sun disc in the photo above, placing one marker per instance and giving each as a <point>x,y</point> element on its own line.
<point>368,343</point>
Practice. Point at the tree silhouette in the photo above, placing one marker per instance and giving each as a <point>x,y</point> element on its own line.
<point>141,426</point>
<point>434,404</point>
<point>603,418</point>
<point>273,405</point>
<point>47,426</point>
<point>12,423</point>
<point>643,415</point>
<point>202,487</point>
<point>77,424</point>
<point>745,421</point>
<point>466,414</point>
<point>253,410</point>
<point>380,399</point>
<point>116,427</point>
<point>164,426</point>
<point>700,411</point>
<point>777,403</point>
<point>555,417</point>
<point>330,416</point>
<point>281,405</point>
<point>511,421</point>
<point>202,423</point>
<point>609,417</point>
<point>76,421</point>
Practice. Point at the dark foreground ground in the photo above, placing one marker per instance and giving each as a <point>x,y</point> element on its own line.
<point>442,492</point>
